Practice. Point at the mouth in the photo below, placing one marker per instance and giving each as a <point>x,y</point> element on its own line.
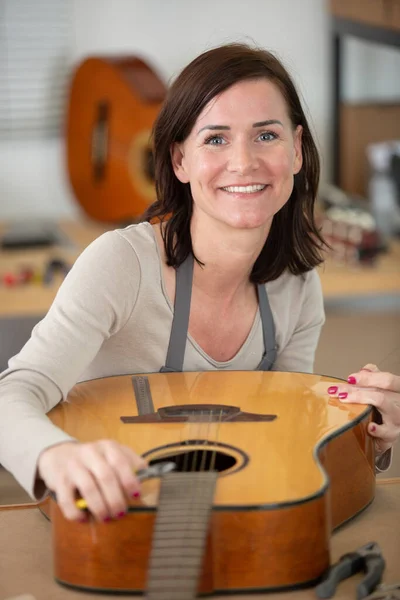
<point>244,189</point>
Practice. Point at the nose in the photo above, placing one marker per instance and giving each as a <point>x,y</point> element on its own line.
<point>243,158</point>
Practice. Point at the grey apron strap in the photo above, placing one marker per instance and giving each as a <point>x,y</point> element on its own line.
<point>268,327</point>
<point>180,322</point>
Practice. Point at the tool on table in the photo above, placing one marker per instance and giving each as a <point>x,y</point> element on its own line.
<point>368,558</point>
<point>53,266</point>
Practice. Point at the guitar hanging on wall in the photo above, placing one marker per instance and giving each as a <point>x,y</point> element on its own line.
<point>113,103</point>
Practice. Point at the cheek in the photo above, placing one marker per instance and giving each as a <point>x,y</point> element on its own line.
<point>282,163</point>
<point>204,169</point>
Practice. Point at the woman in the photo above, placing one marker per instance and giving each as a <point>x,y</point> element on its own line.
<point>231,237</point>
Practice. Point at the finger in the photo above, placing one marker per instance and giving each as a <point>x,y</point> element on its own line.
<point>375,398</point>
<point>65,494</point>
<point>87,485</point>
<point>370,367</point>
<point>106,480</point>
<point>385,433</point>
<point>125,463</point>
<point>380,379</point>
<point>138,462</point>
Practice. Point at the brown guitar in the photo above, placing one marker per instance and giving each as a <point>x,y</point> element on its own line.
<point>113,103</point>
<point>266,466</point>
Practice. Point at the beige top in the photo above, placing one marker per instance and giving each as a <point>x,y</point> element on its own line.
<point>112,316</point>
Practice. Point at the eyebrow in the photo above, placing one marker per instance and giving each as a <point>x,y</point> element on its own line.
<point>226,127</point>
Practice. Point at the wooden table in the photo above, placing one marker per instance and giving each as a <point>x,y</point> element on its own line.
<point>338,280</point>
<point>36,298</point>
<point>26,558</point>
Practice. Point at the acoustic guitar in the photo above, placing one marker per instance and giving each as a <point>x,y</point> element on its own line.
<point>113,103</point>
<point>266,466</point>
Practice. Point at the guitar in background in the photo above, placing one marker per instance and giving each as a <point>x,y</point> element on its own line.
<point>113,103</point>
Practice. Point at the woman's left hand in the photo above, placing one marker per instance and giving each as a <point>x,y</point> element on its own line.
<point>380,389</point>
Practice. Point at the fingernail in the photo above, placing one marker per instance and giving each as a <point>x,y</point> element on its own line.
<point>136,495</point>
<point>106,519</point>
<point>121,514</point>
<point>351,380</point>
<point>83,520</point>
<point>373,428</point>
<point>369,370</point>
<point>333,389</point>
<point>342,395</point>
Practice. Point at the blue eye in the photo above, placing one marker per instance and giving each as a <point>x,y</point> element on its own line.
<point>214,140</point>
<point>268,136</point>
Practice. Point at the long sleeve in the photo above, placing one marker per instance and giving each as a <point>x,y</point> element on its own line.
<point>94,301</point>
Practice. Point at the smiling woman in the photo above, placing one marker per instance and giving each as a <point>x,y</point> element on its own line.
<point>233,118</point>
<point>240,172</point>
<point>219,275</point>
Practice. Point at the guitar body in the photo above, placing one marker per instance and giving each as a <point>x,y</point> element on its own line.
<point>113,103</point>
<point>293,464</point>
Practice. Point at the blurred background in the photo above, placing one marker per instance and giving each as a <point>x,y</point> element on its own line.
<point>81,82</point>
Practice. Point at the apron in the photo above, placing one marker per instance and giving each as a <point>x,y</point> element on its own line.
<point>180,323</point>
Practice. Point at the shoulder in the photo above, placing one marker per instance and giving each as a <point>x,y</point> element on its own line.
<point>114,263</point>
<point>305,284</point>
<point>140,237</point>
<point>299,297</point>
<point>133,237</point>
<point>119,247</point>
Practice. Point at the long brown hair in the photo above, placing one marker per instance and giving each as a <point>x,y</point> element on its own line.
<point>294,241</point>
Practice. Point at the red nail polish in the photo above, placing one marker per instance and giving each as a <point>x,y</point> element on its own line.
<point>136,495</point>
<point>121,514</point>
<point>333,389</point>
<point>106,519</point>
<point>351,380</point>
<point>83,520</point>
<point>342,395</point>
<point>373,428</point>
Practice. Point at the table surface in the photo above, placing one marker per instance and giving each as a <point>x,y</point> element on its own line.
<point>338,280</point>
<point>35,299</point>
<point>26,559</point>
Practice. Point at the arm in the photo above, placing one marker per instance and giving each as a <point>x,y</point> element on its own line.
<point>298,354</point>
<point>94,301</point>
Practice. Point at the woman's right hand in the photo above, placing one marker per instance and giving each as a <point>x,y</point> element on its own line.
<point>101,472</point>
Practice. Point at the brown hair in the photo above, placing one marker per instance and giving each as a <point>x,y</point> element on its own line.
<point>294,241</point>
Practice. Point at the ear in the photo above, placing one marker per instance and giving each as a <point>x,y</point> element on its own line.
<point>178,162</point>
<point>298,149</point>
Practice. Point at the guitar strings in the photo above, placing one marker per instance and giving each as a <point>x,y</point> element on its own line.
<point>194,425</point>
<point>214,454</point>
<point>205,443</point>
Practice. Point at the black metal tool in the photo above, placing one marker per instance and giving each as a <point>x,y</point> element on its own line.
<point>368,558</point>
<point>385,592</point>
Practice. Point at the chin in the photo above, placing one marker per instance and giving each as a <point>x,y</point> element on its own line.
<point>249,221</point>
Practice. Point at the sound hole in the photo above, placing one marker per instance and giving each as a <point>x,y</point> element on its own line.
<point>198,460</point>
<point>99,143</point>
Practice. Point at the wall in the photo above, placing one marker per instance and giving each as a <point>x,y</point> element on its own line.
<point>170,33</point>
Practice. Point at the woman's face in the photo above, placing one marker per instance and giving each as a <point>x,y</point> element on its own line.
<point>241,156</point>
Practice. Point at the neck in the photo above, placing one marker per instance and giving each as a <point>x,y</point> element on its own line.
<point>228,255</point>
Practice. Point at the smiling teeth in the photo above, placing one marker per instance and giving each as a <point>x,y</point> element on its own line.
<point>244,189</point>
